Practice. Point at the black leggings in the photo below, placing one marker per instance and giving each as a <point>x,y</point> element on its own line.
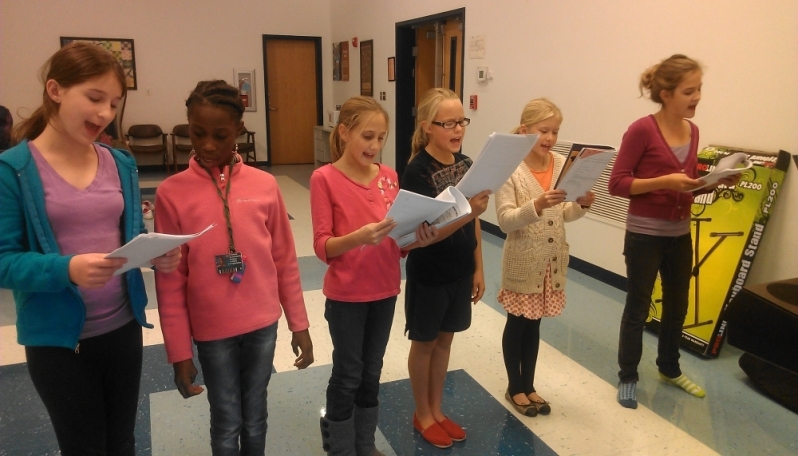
<point>91,396</point>
<point>520,344</point>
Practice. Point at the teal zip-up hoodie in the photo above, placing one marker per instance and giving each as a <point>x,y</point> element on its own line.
<point>50,309</point>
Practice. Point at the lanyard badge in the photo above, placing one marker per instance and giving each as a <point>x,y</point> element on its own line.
<point>233,261</point>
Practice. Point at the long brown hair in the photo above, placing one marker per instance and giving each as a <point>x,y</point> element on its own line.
<point>353,112</point>
<point>73,64</point>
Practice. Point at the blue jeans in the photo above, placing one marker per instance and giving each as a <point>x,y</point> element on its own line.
<point>359,333</point>
<point>236,372</point>
<point>646,255</point>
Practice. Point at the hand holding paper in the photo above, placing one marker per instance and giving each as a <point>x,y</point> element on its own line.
<point>409,210</point>
<point>582,169</point>
<point>144,247</point>
<point>728,166</point>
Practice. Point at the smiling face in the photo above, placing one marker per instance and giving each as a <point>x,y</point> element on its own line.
<point>364,142</point>
<point>444,141</point>
<point>549,130</point>
<point>213,131</point>
<point>85,109</point>
<point>684,99</point>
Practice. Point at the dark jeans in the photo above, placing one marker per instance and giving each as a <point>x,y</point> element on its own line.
<point>645,256</point>
<point>520,346</point>
<point>359,333</point>
<point>237,372</point>
<point>91,396</point>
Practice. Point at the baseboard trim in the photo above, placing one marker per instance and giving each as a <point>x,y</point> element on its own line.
<point>589,269</point>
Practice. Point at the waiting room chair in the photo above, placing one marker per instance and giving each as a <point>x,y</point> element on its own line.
<point>180,144</point>
<point>247,148</point>
<point>148,133</point>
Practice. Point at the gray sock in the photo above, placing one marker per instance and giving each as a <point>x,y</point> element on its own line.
<point>627,395</point>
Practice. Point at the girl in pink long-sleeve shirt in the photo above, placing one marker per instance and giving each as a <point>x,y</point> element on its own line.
<point>349,200</point>
<point>233,282</point>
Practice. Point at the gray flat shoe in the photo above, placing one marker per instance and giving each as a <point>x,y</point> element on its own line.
<point>524,409</point>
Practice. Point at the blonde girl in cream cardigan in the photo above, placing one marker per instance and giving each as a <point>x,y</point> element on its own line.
<point>535,254</point>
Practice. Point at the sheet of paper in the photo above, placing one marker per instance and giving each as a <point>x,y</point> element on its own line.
<point>144,247</point>
<point>500,156</point>
<point>727,166</point>
<point>409,210</point>
<point>584,171</point>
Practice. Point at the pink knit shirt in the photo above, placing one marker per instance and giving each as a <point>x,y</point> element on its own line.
<point>340,206</point>
<point>197,302</point>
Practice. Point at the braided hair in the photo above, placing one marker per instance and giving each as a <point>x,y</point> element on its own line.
<point>217,93</point>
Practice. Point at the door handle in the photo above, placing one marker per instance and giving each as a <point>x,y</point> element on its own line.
<point>272,109</point>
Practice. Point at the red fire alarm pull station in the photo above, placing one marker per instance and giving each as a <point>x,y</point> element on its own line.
<point>472,102</point>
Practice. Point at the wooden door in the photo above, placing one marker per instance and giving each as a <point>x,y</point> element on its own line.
<point>291,99</point>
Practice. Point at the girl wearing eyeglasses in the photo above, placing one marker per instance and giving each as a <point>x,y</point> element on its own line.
<point>445,277</point>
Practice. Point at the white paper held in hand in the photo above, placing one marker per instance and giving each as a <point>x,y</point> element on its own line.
<point>144,247</point>
<point>500,156</point>
<point>582,169</point>
<point>409,210</point>
<point>727,166</point>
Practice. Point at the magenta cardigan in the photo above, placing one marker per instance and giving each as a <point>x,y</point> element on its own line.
<point>645,154</point>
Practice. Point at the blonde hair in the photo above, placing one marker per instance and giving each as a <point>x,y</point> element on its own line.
<point>427,110</point>
<point>71,65</point>
<point>351,115</point>
<point>666,75</point>
<point>536,111</point>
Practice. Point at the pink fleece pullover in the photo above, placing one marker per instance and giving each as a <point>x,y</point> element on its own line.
<point>197,302</point>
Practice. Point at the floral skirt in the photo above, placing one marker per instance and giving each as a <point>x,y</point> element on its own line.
<point>534,306</point>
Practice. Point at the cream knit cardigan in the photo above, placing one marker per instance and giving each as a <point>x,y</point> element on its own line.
<point>533,240</point>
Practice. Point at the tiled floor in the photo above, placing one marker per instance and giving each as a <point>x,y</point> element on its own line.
<point>576,372</point>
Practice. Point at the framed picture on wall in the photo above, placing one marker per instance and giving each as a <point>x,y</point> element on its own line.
<point>121,48</point>
<point>244,79</point>
<point>391,68</point>
<point>367,68</point>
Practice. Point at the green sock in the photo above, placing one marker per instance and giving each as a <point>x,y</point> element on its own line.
<point>685,383</point>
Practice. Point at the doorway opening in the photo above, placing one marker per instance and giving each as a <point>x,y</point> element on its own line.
<point>429,53</point>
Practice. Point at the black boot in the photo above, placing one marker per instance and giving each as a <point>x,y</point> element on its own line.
<point>338,437</point>
<point>365,427</point>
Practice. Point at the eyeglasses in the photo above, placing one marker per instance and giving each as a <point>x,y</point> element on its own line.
<point>449,124</point>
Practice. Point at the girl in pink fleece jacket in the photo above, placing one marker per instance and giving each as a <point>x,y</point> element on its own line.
<point>233,283</point>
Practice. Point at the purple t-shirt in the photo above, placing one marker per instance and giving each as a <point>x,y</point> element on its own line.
<point>88,221</point>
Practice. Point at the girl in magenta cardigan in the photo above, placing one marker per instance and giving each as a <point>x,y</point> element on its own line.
<point>656,169</point>
<point>349,200</point>
<point>235,281</point>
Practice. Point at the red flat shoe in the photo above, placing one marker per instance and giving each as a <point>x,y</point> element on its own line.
<point>453,429</point>
<point>434,434</point>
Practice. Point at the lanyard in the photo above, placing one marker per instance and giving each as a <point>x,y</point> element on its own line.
<point>224,201</point>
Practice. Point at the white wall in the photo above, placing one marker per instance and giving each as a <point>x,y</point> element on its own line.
<point>177,44</point>
<point>584,55</point>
